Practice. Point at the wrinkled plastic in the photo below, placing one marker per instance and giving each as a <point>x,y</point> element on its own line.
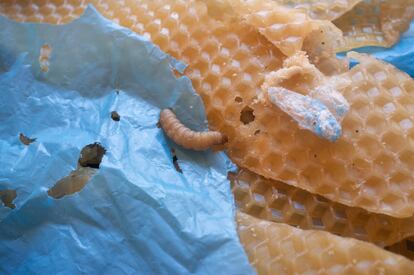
<point>137,214</point>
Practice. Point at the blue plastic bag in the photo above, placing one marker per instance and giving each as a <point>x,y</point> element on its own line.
<point>137,214</point>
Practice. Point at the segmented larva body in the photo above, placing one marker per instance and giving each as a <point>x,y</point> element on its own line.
<point>186,137</point>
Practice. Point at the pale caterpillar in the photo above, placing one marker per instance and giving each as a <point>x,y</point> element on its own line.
<point>186,137</point>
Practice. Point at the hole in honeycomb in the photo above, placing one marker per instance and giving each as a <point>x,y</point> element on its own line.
<point>91,155</point>
<point>247,115</point>
<point>115,116</point>
<point>393,140</point>
<point>175,161</point>
<point>7,197</point>
<point>26,140</point>
<point>238,99</point>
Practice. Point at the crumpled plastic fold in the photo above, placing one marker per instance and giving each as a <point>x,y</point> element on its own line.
<point>137,214</point>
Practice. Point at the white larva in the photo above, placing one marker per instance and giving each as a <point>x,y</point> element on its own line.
<point>186,137</point>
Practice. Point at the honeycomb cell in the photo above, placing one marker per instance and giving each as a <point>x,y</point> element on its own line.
<point>375,23</point>
<point>280,202</point>
<point>275,248</point>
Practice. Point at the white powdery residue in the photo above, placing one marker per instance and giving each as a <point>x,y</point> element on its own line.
<point>332,98</point>
<point>311,114</point>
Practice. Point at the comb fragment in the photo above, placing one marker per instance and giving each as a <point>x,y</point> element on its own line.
<point>320,9</point>
<point>275,248</point>
<point>279,202</point>
<point>368,167</point>
<point>375,23</point>
<point>284,27</point>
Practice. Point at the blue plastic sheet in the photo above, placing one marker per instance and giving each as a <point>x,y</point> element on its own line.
<point>401,55</point>
<point>137,214</point>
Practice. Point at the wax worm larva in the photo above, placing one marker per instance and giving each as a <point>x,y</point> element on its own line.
<point>186,137</point>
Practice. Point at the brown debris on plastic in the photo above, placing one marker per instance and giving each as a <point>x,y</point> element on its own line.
<point>7,197</point>
<point>91,155</point>
<point>72,183</point>
<point>26,140</point>
<point>90,158</point>
<point>115,116</point>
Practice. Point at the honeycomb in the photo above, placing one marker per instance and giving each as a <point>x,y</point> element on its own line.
<point>294,31</point>
<point>375,23</point>
<point>321,9</point>
<point>284,27</point>
<point>404,248</point>
<point>275,248</point>
<point>279,202</point>
<point>369,166</point>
